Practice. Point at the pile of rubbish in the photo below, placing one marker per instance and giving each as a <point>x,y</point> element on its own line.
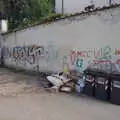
<point>66,82</point>
<point>101,81</point>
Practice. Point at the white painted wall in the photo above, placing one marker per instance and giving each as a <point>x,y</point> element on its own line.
<point>115,1</point>
<point>73,6</point>
<point>85,35</point>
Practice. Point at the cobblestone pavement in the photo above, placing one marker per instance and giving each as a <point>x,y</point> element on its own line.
<point>21,98</point>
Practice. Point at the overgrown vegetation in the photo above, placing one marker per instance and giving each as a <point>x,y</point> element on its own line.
<point>25,12</point>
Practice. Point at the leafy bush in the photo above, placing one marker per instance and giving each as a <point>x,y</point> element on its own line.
<point>23,12</point>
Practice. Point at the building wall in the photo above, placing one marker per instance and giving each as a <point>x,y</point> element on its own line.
<point>73,6</point>
<point>72,43</point>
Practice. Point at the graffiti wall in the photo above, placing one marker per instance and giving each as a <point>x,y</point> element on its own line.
<point>30,56</point>
<point>73,43</point>
<point>95,56</point>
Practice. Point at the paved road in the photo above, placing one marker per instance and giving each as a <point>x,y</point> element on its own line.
<point>51,106</point>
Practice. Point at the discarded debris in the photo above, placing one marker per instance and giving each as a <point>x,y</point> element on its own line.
<point>43,82</point>
<point>80,85</point>
<point>57,80</point>
<point>64,82</point>
<point>67,89</point>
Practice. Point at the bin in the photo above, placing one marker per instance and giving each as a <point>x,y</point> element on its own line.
<point>89,88</point>
<point>115,89</point>
<point>102,87</point>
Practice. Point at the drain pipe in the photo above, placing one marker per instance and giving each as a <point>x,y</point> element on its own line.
<point>1,49</point>
<point>3,29</point>
<point>110,2</point>
<point>62,7</point>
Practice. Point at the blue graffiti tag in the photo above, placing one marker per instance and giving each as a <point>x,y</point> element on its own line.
<point>80,64</point>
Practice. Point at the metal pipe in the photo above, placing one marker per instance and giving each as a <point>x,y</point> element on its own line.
<point>110,2</point>
<point>62,6</point>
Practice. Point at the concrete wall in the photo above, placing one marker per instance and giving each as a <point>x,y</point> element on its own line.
<point>73,6</point>
<point>72,43</point>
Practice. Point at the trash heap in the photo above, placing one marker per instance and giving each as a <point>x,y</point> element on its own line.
<point>64,82</point>
<point>101,81</point>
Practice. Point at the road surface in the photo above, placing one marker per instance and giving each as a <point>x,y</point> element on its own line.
<point>22,99</point>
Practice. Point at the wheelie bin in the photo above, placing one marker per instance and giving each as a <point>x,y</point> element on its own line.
<point>89,88</point>
<point>115,89</point>
<point>102,86</point>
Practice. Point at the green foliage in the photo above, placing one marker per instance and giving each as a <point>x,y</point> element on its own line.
<point>22,12</point>
<point>40,8</point>
<point>47,19</point>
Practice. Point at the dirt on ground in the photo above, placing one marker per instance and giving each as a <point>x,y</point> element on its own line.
<point>15,83</point>
<point>23,98</point>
